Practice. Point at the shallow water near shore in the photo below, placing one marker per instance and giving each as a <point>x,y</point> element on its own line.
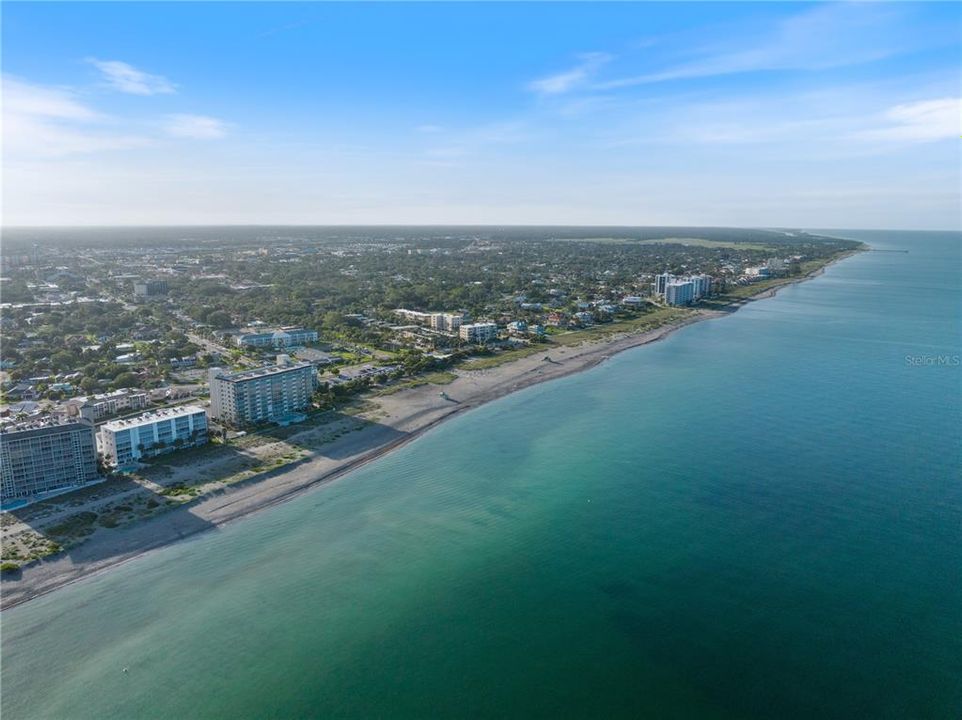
<point>759,516</point>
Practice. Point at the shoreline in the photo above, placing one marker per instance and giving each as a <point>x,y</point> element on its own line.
<point>407,415</point>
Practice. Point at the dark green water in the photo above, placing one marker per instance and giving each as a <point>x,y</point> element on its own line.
<point>756,518</point>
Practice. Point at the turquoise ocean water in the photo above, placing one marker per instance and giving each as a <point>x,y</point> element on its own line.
<point>756,518</point>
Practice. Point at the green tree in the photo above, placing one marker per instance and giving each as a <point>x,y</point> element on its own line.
<point>125,380</point>
<point>220,319</point>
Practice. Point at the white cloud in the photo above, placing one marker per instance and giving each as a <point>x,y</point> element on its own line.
<point>429,129</point>
<point>924,121</point>
<point>41,121</point>
<point>25,135</point>
<point>22,98</point>
<point>50,122</point>
<point>197,127</point>
<point>128,79</point>
<point>570,79</point>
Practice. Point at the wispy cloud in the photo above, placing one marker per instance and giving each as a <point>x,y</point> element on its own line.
<point>924,121</point>
<point>48,122</point>
<point>829,36</point>
<point>23,98</point>
<point>837,124</point>
<point>287,27</point>
<point>196,127</point>
<point>40,121</point>
<point>570,79</point>
<point>128,79</point>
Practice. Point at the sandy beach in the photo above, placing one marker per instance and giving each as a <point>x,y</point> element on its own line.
<point>397,419</point>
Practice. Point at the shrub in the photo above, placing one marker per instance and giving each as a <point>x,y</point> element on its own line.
<point>74,524</point>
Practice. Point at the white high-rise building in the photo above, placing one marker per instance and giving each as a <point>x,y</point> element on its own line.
<point>702,285</point>
<point>45,455</point>
<point>661,282</point>
<point>265,394</point>
<point>680,292</point>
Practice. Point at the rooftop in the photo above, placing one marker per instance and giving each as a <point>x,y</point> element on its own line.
<point>115,394</point>
<point>40,423</point>
<point>261,371</point>
<point>153,416</point>
<point>277,332</point>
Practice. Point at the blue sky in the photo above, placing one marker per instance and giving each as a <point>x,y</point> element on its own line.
<point>756,114</point>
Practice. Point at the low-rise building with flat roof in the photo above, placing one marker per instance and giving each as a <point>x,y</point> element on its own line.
<point>97,407</point>
<point>282,337</point>
<point>479,333</point>
<point>124,442</point>
<point>446,321</point>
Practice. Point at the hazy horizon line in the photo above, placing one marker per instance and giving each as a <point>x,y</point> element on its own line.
<point>460,225</point>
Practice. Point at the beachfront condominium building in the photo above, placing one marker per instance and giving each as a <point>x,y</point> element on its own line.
<point>97,407</point>
<point>41,456</point>
<point>124,442</point>
<point>284,337</point>
<point>449,322</point>
<point>702,285</point>
<point>661,282</point>
<point>274,393</point>
<point>414,316</point>
<point>680,292</point>
<point>479,333</point>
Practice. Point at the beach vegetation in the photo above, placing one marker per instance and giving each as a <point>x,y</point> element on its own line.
<point>178,490</point>
<point>78,524</point>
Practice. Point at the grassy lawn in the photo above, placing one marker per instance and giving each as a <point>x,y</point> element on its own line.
<point>357,406</point>
<point>746,291</point>
<point>441,378</point>
<point>484,363</point>
<point>701,242</point>
<point>649,321</point>
<point>698,242</point>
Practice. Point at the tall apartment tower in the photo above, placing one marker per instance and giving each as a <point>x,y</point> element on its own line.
<point>266,394</point>
<point>680,292</point>
<point>661,282</point>
<point>41,456</point>
<point>702,285</point>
